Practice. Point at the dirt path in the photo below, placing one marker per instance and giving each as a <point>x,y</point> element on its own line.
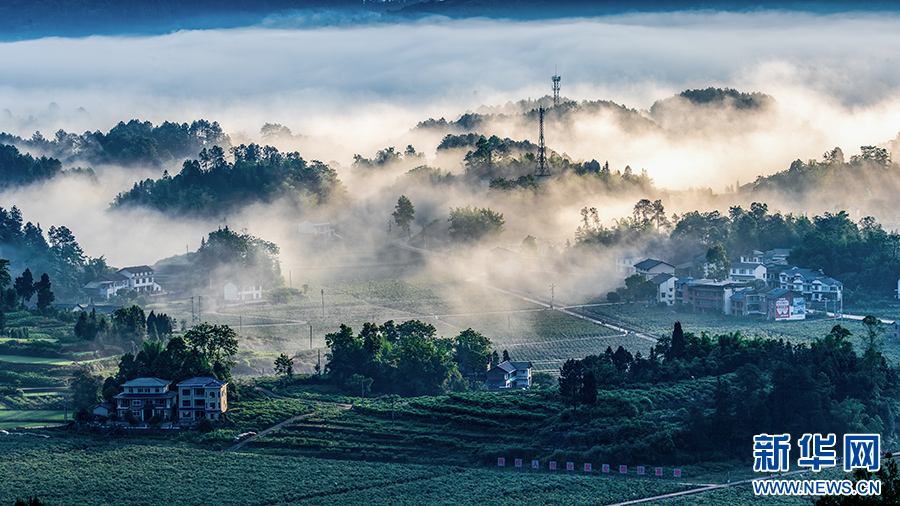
<point>277,426</point>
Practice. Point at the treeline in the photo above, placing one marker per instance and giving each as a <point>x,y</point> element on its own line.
<point>127,325</point>
<point>406,359</point>
<point>224,255</point>
<point>863,256</point>
<point>135,143</point>
<point>509,165</point>
<point>212,185</point>
<point>870,174</point>
<point>57,254</point>
<point>21,169</point>
<point>759,386</point>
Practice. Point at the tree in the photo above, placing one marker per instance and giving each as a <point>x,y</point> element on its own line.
<point>469,224</point>
<point>505,356</point>
<point>571,379</point>
<point>85,388</point>
<point>217,344</point>
<point>874,329</point>
<point>677,348</point>
<point>404,213</point>
<point>5,279</point>
<point>44,296</point>
<point>25,285</point>
<point>284,366</point>
<point>472,352</point>
<point>715,255</point>
<point>639,288</point>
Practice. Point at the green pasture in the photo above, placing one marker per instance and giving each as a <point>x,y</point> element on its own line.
<point>22,359</point>
<point>11,418</point>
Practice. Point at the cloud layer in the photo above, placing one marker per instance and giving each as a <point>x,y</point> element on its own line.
<point>354,89</point>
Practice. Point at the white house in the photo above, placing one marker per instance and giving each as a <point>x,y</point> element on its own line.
<point>324,229</point>
<point>625,264</point>
<point>650,268</point>
<point>740,271</point>
<point>813,285</point>
<point>509,376</point>
<point>233,291</point>
<point>202,397</point>
<point>665,288</point>
<point>106,286</point>
<point>139,278</point>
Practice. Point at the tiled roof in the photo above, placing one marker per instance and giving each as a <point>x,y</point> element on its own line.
<point>146,382</point>
<point>203,382</point>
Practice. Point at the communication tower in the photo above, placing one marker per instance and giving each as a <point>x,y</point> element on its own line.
<point>543,171</point>
<point>556,80</point>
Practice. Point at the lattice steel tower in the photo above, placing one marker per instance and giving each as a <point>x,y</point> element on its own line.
<point>543,170</point>
<point>556,80</point>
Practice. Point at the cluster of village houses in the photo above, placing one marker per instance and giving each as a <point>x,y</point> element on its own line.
<point>762,284</point>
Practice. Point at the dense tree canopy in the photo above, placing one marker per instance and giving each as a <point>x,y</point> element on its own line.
<point>406,359</point>
<point>212,185</point>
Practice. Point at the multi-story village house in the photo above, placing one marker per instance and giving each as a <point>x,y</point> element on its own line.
<point>192,400</point>
<point>202,397</point>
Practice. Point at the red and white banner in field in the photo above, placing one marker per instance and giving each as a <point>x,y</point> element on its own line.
<point>588,467</point>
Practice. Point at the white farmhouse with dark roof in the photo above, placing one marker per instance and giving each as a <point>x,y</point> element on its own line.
<point>665,288</point>
<point>650,267</point>
<point>139,278</point>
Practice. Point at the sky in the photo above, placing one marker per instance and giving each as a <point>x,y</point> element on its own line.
<point>357,88</point>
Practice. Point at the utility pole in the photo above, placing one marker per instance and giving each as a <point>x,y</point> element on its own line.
<point>200,309</point>
<point>310,337</point>
<point>323,303</point>
<point>193,318</point>
<point>240,324</point>
<point>552,294</point>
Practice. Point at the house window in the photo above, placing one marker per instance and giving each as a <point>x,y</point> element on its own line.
<point>186,403</point>
<point>135,402</point>
<point>157,390</point>
<point>186,391</point>
<point>131,390</point>
<point>212,395</point>
<point>212,405</point>
<point>185,414</point>
<point>198,403</point>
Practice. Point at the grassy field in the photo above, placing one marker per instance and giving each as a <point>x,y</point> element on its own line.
<point>11,418</point>
<point>19,359</point>
<point>82,471</point>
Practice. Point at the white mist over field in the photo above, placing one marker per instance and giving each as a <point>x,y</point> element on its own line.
<point>356,89</point>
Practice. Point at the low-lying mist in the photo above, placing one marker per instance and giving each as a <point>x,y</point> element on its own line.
<point>347,90</point>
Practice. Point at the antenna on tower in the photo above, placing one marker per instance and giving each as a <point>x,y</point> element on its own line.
<point>542,172</point>
<point>556,80</point>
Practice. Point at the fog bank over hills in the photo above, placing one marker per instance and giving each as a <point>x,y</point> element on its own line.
<point>348,89</point>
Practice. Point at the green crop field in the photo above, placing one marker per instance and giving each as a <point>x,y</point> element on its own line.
<point>21,359</point>
<point>10,418</point>
<point>82,471</point>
